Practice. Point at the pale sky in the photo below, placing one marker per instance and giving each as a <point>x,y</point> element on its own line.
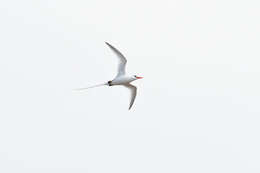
<point>197,108</point>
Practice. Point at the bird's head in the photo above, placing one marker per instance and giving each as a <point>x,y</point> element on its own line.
<point>137,77</point>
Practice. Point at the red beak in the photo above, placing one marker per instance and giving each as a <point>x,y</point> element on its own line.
<point>138,77</point>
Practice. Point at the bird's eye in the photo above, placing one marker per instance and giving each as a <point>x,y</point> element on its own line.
<point>135,76</point>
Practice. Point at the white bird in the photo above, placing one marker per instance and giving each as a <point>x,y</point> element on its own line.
<point>121,78</point>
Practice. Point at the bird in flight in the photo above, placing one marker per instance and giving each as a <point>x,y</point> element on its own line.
<point>121,78</point>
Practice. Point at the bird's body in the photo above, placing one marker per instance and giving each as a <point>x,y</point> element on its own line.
<point>121,78</point>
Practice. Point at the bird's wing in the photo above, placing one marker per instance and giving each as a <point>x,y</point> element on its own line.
<point>122,60</point>
<point>133,90</point>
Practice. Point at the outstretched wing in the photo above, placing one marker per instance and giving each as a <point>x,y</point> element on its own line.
<point>133,90</point>
<point>122,60</point>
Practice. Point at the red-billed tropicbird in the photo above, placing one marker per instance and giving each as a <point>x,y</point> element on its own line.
<point>121,78</point>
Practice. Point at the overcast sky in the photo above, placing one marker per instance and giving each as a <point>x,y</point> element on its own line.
<point>197,108</point>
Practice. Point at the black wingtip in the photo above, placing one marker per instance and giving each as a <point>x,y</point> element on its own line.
<point>110,45</point>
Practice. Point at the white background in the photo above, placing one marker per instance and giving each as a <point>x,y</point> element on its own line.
<point>197,108</point>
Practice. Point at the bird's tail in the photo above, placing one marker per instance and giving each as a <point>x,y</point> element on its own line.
<point>80,89</point>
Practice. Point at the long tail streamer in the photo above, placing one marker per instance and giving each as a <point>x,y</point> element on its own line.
<point>80,89</point>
